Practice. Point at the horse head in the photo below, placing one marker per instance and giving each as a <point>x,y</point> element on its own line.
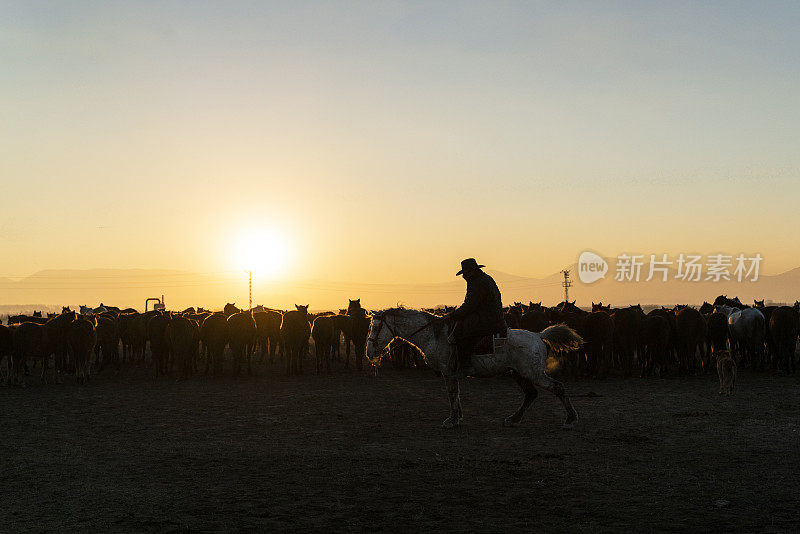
<point>378,337</point>
<point>354,304</point>
<point>230,309</point>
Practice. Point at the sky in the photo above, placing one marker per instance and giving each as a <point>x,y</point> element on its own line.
<point>383,142</point>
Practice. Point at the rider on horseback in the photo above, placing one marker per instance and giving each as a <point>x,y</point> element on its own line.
<point>480,315</point>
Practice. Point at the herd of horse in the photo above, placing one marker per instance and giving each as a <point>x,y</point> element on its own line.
<point>178,343</point>
<point>679,340</point>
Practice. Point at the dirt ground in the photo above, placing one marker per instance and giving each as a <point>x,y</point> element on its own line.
<point>356,452</point>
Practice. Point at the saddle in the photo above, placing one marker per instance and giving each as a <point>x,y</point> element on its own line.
<point>487,345</point>
<point>493,344</point>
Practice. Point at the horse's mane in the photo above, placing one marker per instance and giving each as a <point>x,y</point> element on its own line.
<point>402,311</point>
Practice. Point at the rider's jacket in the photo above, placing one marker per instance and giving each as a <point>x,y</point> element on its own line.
<point>482,311</point>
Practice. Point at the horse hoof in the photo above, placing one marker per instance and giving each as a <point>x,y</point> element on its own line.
<point>568,426</point>
<point>508,422</point>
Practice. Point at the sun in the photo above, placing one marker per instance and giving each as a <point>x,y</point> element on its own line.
<point>265,252</point>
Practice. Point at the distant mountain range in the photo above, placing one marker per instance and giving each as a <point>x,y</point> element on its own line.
<point>130,287</point>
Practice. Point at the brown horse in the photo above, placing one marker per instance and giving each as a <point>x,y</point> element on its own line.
<point>295,331</point>
<point>268,332</point>
<point>655,335</point>
<point>242,338</point>
<point>214,336</point>
<point>598,332</point>
<point>692,331</point>
<point>159,344</point>
<point>360,320</point>
<point>783,327</point>
<point>182,335</point>
<point>322,333</point>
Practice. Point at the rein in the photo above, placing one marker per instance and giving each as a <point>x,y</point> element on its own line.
<point>374,339</point>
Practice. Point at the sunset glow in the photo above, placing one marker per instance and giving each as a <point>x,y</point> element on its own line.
<point>521,134</point>
<point>263,251</point>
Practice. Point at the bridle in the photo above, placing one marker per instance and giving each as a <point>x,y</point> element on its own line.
<point>382,321</point>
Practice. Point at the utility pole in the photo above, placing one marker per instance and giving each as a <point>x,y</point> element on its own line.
<point>250,288</point>
<point>567,283</point>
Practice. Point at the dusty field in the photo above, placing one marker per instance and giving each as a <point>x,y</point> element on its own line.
<point>355,452</point>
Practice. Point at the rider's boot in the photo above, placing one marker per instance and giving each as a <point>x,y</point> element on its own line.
<point>465,367</point>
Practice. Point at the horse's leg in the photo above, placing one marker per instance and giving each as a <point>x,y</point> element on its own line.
<point>451,384</point>
<point>557,388</point>
<point>328,356</point>
<point>45,365</point>
<point>359,354</point>
<point>701,348</point>
<point>530,394</point>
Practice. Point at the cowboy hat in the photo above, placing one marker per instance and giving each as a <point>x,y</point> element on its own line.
<point>468,265</point>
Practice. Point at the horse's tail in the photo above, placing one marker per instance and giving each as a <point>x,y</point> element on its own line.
<point>560,337</point>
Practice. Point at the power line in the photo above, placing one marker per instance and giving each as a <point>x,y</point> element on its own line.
<point>567,283</point>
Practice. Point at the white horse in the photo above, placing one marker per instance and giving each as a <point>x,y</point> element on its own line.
<point>747,329</point>
<point>86,310</point>
<point>526,356</point>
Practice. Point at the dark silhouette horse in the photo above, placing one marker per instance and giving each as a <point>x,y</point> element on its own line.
<point>534,319</point>
<point>655,337</point>
<point>159,344</point>
<point>214,336</point>
<point>107,343</point>
<point>717,327</point>
<point>572,362</point>
<point>242,338</point>
<point>671,357</point>
<point>691,329</point>
<point>514,315</point>
<point>230,309</point>
<point>182,335</point>
<point>295,331</point>
<point>598,333</point>
<point>723,300</point>
<point>343,328</point>
<point>783,327</point>
<point>360,320</point>
<point>627,323</point>
<point>322,333</point>
<point>268,332</point>
<point>81,339</point>
<point>766,311</point>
